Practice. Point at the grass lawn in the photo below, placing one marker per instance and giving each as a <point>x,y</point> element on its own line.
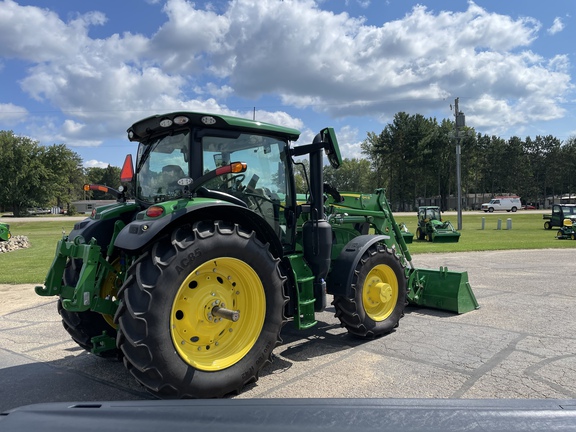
<point>527,233</point>
<point>31,265</point>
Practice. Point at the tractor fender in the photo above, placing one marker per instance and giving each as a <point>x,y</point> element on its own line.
<point>102,227</point>
<point>142,232</point>
<point>340,278</point>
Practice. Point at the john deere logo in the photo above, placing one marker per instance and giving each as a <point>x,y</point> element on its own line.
<point>207,120</point>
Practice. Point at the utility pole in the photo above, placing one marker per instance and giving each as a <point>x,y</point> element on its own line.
<point>459,123</point>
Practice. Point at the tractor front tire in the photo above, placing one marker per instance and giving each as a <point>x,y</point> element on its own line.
<point>378,295</point>
<point>83,326</point>
<point>201,311</point>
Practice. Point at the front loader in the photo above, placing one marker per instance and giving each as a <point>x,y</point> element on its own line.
<point>192,281</point>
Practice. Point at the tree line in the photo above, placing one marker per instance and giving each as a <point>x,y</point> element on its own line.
<point>413,158</point>
<point>36,176</point>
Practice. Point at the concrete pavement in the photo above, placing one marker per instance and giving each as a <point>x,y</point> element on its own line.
<point>519,344</point>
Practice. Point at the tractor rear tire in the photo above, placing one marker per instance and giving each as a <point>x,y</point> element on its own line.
<point>547,225</point>
<point>420,234</point>
<point>378,295</point>
<point>174,338</point>
<point>83,326</point>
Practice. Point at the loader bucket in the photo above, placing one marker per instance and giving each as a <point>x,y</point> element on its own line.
<point>446,237</point>
<point>442,289</point>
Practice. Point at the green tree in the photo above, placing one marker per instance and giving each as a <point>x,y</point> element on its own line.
<point>109,176</point>
<point>401,157</point>
<point>354,175</point>
<point>66,174</point>
<point>24,178</point>
<point>302,176</point>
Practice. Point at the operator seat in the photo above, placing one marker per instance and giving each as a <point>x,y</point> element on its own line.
<point>171,174</point>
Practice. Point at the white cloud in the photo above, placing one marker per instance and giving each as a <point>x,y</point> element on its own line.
<point>199,57</point>
<point>95,164</point>
<point>11,114</point>
<point>349,143</point>
<point>557,26</point>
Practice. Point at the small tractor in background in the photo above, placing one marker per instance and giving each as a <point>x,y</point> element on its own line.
<point>566,231</point>
<point>191,283</point>
<point>4,232</point>
<point>431,227</point>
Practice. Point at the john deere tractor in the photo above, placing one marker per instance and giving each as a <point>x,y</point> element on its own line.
<point>431,227</point>
<point>566,231</point>
<point>192,281</point>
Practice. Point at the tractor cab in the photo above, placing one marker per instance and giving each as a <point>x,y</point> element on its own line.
<point>429,214</point>
<point>185,158</point>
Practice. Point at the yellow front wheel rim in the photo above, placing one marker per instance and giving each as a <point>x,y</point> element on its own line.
<point>203,337</point>
<point>380,292</point>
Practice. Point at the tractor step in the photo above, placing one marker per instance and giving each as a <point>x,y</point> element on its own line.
<point>305,318</point>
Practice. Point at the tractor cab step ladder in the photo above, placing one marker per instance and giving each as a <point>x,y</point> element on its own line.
<point>304,316</point>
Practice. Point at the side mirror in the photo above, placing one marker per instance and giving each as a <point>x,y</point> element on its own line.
<point>332,150</point>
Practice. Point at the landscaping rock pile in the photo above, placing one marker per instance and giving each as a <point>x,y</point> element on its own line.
<point>15,243</point>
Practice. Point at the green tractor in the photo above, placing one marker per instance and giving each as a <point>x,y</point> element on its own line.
<point>192,281</point>
<point>431,227</point>
<point>566,231</point>
<point>4,232</point>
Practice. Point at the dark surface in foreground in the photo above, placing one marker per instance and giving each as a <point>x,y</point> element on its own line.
<point>406,415</point>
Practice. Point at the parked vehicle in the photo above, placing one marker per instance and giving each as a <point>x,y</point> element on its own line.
<point>566,231</point>
<point>508,203</point>
<point>4,232</point>
<point>192,283</point>
<point>431,227</point>
<point>559,213</point>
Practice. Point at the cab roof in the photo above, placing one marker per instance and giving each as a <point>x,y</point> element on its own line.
<point>150,126</point>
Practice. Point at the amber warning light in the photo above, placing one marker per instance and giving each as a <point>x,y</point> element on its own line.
<point>94,187</point>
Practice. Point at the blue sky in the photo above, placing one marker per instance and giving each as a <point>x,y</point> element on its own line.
<point>80,73</point>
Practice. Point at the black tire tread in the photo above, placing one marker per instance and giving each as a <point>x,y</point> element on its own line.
<point>137,317</point>
<point>350,310</point>
<point>83,326</point>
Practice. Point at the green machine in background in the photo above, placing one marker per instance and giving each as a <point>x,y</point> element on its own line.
<point>431,227</point>
<point>4,232</point>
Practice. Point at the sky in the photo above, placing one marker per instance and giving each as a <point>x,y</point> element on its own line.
<point>81,72</point>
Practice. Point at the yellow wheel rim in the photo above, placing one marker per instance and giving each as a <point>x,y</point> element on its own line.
<point>203,337</point>
<point>110,288</point>
<point>380,292</point>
